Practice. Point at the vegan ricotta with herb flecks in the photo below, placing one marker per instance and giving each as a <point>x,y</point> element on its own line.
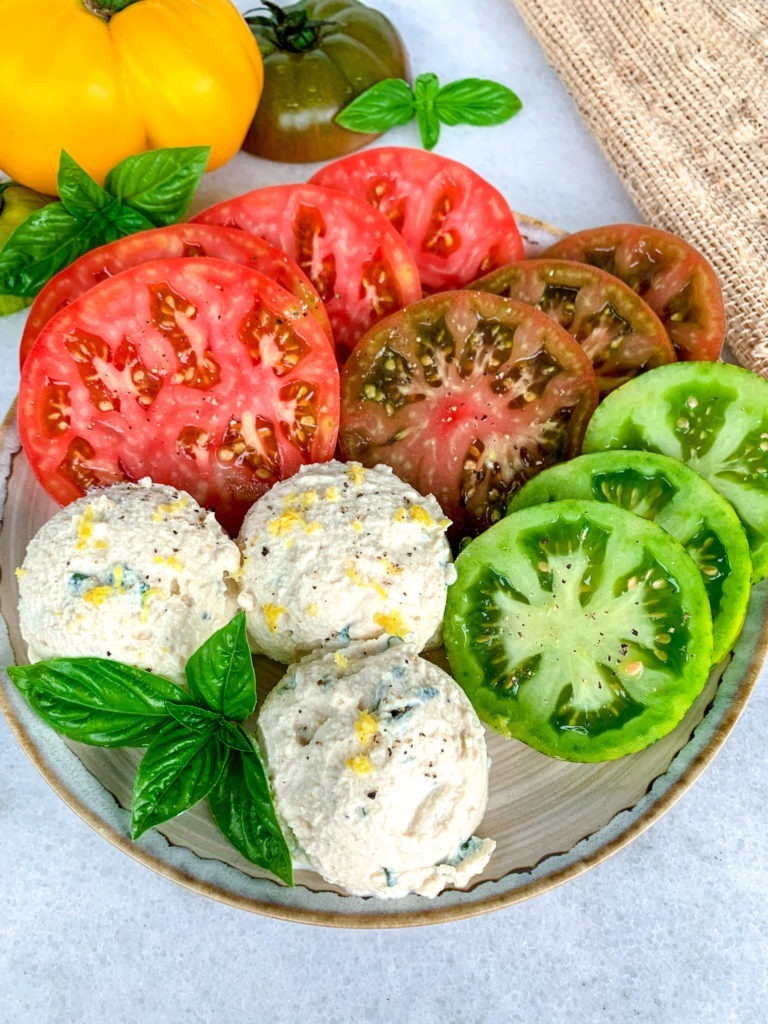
<point>137,572</point>
<point>379,770</point>
<point>339,553</point>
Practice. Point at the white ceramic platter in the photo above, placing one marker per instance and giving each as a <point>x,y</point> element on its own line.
<point>551,820</point>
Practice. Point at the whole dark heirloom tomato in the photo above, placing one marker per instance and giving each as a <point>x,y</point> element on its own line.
<point>318,56</point>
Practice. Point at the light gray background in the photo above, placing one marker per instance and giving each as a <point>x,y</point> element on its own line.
<point>671,930</point>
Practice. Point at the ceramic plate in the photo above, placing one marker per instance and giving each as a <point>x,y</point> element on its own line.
<point>551,820</point>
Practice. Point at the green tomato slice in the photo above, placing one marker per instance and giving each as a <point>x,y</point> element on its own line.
<point>677,499</point>
<point>711,416</point>
<point>579,628</point>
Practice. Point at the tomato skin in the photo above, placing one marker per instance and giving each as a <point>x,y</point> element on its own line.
<point>456,223</point>
<point>466,395</point>
<point>173,241</point>
<point>200,373</point>
<point>360,266</point>
<point>158,73</point>
<point>303,91</point>
<point>675,280</point>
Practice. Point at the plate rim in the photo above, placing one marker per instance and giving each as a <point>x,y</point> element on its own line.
<point>432,912</point>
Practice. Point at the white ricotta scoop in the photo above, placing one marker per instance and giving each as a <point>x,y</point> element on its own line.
<point>138,572</point>
<point>339,553</point>
<point>379,770</point>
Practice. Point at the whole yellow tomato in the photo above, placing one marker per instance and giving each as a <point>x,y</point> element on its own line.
<point>103,79</point>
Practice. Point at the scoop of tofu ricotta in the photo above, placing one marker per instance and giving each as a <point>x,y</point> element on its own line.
<point>138,572</point>
<point>379,770</point>
<point>339,553</point>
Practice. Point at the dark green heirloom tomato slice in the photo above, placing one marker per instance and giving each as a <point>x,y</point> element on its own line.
<point>318,56</point>
<point>675,280</point>
<point>713,417</point>
<point>466,395</point>
<point>579,628</point>
<point>677,499</point>
<point>619,332</point>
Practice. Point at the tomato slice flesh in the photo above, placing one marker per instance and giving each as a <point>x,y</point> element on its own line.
<point>173,241</point>
<point>466,395</point>
<point>676,280</point>
<point>713,417</point>
<point>456,223</point>
<point>677,499</point>
<point>358,263</point>
<point>579,628</point>
<point>197,372</point>
<point>621,334</point>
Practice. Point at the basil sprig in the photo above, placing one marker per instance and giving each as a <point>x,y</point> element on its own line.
<point>196,746</point>
<point>392,102</point>
<point>97,701</point>
<point>148,190</point>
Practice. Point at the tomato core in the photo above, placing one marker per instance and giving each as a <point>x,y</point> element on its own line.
<point>106,9</point>
<point>290,30</point>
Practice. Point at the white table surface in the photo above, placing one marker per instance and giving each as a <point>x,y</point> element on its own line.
<point>672,929</point>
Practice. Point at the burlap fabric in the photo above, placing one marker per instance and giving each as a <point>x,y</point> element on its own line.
<point>676,93</point>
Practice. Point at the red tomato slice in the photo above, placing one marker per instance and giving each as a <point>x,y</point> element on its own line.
<point>457,224</point>
<point>200,373</point>
<point>466,395</point>
<point>359,264</point>
<point>161,243</point>
<point>674,279</point>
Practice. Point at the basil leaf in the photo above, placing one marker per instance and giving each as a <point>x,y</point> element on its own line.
<point>180,767</point>
<point>160,183</point>
<point>233,736</point>
<point>123,220</point>
<point>42,245</point>
<point>97,701</point>
<point>80,195</point>
<point>385,105</point>
<point>242,806</point>
<point>193,717</point>
<point>220,672</point>
<point>425,90</point>
<point>476,101</point>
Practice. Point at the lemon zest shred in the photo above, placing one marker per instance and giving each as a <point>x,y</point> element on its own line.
<point>360,765</point>
<point>272,613</point>
<point>169,509</point>
<point>366,728</point>
<point>357,473</point>
<point>392,623</point>
<point>357,579</point>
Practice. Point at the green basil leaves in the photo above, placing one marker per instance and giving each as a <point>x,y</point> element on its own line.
<point>97,701</point>
<point>220,672</point>
<point>243,810</point>
<point>148,190</point>
<point>392,102</point>
<point>196,746</point>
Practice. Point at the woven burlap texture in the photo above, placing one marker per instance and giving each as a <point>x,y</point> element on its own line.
<point>676,93</point>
